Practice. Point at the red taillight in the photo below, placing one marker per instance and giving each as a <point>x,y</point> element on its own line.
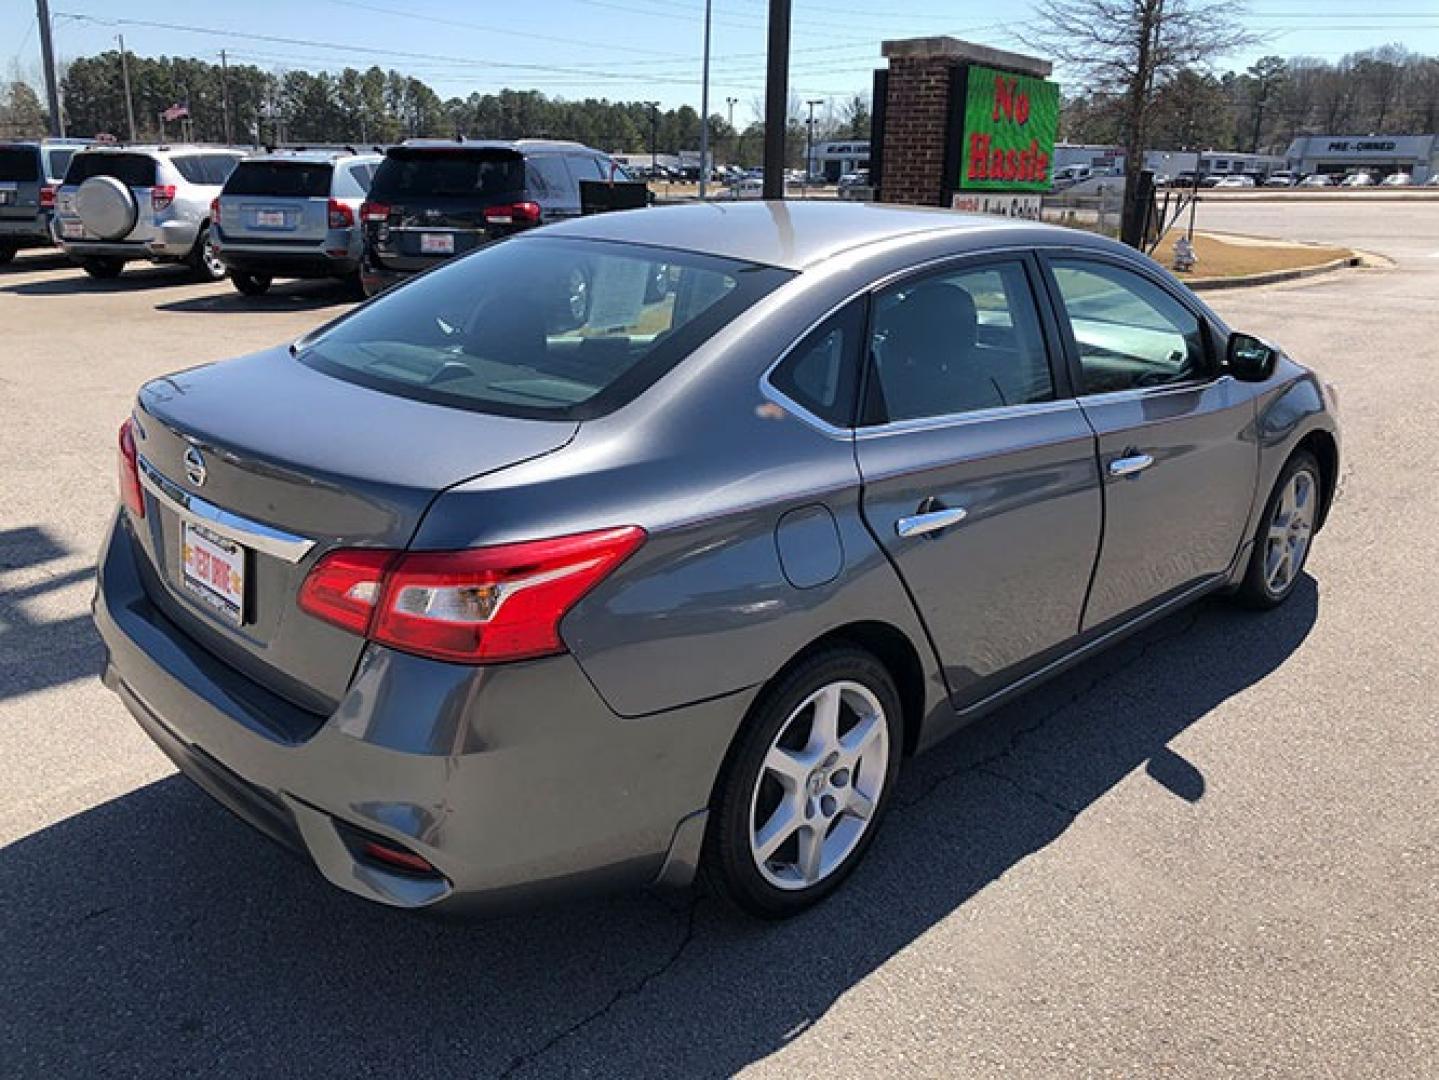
<point>374,211</point>
<point>47,197</point>
<point>130,492</point>
<point>345,586</point>
<point>161,196</point>
<point>215,211</point>
<point>340,215</point>
<point>523,213</point>
<point>480,605</point>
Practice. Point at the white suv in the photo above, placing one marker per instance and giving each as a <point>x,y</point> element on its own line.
<point>142,202</point>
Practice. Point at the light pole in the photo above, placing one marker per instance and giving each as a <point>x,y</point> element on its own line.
<point>705,108</point>
<point>776,97</point>
<point>125,81</point>
<point>47,57</point>
<point>734,150</point>
<point>809,143</point>
<point>654,137</point>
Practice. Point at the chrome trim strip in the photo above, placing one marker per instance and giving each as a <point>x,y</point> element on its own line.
<point>976,416</point>
<point>191,507</point>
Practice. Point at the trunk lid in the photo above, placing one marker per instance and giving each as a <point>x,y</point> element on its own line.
<point>295,463</point>
<point>437,198</point>
<point>277,202</point>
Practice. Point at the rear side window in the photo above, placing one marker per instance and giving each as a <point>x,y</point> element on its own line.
<point>19,163</point>
<point>60,161</point>
<point>539,327</point>
<point>281,178</point>
<point>364,175</point>
<point>132,170</point>
<point>585,167</point>
<point>821,374</point>
<point>210,169</point>
<point>548,176</point>
<point>449,174</point>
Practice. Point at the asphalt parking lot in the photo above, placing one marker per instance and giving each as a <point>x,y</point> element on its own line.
<point>1212,851</point>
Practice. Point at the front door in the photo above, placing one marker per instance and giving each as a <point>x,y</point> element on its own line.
<point>979,472</point>
<point>1177,450</point>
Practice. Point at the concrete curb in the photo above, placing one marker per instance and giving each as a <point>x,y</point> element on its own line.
<point>1269,277</point>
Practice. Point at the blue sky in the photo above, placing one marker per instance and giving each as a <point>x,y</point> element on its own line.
<point>627,49</point>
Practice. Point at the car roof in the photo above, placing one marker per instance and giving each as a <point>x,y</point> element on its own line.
<point>317,156</point>
<point>522,145</point>
<point>792,234</point>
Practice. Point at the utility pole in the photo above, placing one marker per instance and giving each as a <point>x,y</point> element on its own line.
<point>125,79</point>
<point>47,57</point>
<point>705,108</point>
<point>776,98</point>
<point>734,150</point>
<point>809,143</point>
<point>654,137</point>
<point>225,96</point>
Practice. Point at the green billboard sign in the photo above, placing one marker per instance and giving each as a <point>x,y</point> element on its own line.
<point>1010,124</point>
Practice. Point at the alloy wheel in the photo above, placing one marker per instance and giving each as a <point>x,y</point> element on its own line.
<point>821,780</point>
<point>1290,529</point>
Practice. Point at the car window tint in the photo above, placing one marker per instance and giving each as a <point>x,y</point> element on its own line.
<point>19,163</point>
<point>549,176</point>
<point>1130,333</point>
<point>307,179</point>
<point>821,374</point>
<point>541,327</point>
<point>586,167</point>
<point>412,172</point>
<point>955,342</point>
<point>363,174</point>
<point>59,162</point>
<point>132,170</point>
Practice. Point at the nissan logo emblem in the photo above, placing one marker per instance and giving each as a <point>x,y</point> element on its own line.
<point>195,467</point>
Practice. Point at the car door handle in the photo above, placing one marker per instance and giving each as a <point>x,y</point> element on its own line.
<point>932,521</point>
<point>1130,464</point>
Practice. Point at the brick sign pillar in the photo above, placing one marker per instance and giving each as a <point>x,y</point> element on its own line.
<point>914,112</point>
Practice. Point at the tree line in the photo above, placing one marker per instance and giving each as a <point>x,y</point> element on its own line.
<point>245,104</point>
<point>1382,91</point>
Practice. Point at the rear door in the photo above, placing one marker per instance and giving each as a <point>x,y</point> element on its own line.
<point>1177,446</point>
<point>20,183</point>
<point>281,203</point>
<point>979,472</point>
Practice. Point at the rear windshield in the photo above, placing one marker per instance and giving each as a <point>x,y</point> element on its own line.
<point>413,173</point>
<point>19,163</point>
<point>542,327</point>
<point>132,170</point>
<point>308,178</point>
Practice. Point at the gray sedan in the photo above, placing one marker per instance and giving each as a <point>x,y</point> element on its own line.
<point>655,542</point>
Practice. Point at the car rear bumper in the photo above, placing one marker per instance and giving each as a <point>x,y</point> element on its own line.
<point>26,232</point>
<point>300,264</point>
<point>169,242</point>
<point>516,782</point>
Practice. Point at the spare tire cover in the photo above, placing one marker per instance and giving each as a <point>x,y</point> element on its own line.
<point>107,207</point>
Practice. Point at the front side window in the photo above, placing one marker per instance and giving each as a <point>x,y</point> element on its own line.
<point>540,327</point>
<point>956,342</point>
<point>1130,333</point>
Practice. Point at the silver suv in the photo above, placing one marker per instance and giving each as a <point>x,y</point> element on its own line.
<point>29,174</point>
<point>142,202</point>
<point>292,214</point>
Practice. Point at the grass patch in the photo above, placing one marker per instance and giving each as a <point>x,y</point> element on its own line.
<point>1223,258</point>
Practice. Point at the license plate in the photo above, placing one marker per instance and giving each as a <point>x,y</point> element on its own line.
<point>73,230</point>
<point>213,569</point>
<point>270,219</point>
<point>437,243</point>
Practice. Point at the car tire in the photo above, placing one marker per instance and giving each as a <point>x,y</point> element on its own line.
<point>800,800</point>
<point>7,253</point>
<point>1284,536</point>
<point>203,258</point>
<point>251,284</point>
<point>103,269</point>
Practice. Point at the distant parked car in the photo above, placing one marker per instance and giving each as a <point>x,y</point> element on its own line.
<point>142,202</point>
<point>1318,180</point>
<point>30,174</point>
<point>292,214</point>
<point>1235,181</point>
<point>1398,179</point>
<point>1281,179</point>
<point>1433,181</point>
<point>1069,175</point>
<point>432,200</point>
<point>1358,179</point>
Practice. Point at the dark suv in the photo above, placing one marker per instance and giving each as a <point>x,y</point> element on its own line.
<point>30,173</point>
<point>432,200</point>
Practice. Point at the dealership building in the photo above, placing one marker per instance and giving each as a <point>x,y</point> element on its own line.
<point>1417,155</point>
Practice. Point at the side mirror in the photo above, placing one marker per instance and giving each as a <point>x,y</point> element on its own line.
<point>1249,359</point>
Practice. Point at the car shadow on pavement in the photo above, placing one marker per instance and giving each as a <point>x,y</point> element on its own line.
<point>155,935</point>
<point>38,653</point>
<point>37,260</point>
<point>284,296</point>
<point>135,276</point>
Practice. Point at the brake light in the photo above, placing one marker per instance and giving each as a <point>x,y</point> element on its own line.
<point>374,211</point>
<point>526,213</point>
<point>131,493</point>
<point>340,215</point>
<point>161,196</point>
<point>481,605</point>
<point>47,197</point>
<point>215,211</point>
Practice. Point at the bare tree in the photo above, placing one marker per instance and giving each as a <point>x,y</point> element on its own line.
<point>1133,47</point>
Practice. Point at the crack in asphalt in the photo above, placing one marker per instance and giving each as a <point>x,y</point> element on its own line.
<point>986,763</point>
<point>622,994</point>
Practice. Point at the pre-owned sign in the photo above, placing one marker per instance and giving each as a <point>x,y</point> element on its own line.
<point>1009,127</point>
